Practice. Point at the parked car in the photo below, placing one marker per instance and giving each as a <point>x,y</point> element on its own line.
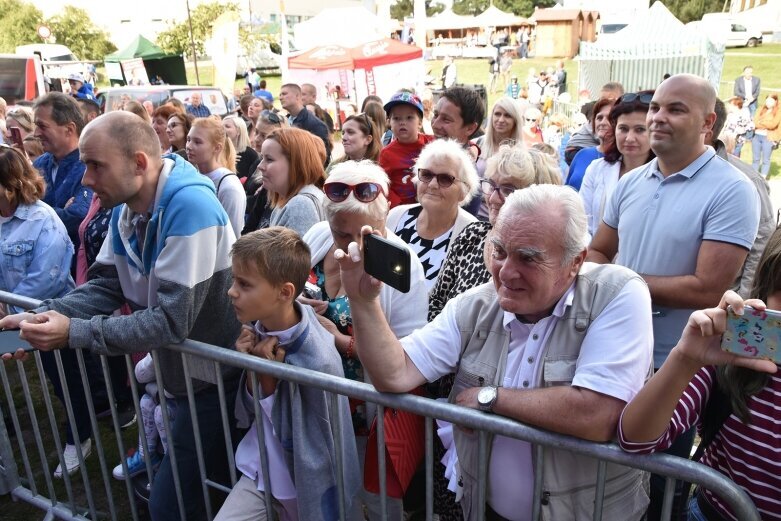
<point>113,98</point>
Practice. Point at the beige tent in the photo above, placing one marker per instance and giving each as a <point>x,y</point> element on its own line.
<point>495,17</point>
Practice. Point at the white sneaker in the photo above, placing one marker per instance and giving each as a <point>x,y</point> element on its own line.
<point>72,459</point>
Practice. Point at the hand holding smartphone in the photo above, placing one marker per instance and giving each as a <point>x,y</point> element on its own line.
<point>10,342</point>
<point>755,334</point>
<point>387,262</point>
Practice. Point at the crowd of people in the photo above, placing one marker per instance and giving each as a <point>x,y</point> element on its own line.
<point>571,275</point>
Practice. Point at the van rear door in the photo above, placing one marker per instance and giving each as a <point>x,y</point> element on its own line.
<point>21,78</point>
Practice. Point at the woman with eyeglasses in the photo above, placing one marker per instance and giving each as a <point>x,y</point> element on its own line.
<point>160,118</point>
<point>357,196</point>
<point>445,181</point>
<point>291,162</point>
<point>179,124</point>
<point>360,139</point>
<point>511,168</point>
<point>600,125</point>
<point>629,149</point>
<point>236,130</point>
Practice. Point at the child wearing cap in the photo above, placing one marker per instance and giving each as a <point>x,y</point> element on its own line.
<point>405,113</point>
<point>80,89</point>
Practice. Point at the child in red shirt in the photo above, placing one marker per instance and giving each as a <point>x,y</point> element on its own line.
<point>405,112</point>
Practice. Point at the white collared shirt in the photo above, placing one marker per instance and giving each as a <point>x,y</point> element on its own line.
<point>614,360</point>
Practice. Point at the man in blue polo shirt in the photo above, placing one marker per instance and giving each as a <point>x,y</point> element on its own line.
<point>686,220</point>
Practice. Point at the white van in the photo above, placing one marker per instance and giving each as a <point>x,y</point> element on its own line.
<point>21,78</point>
<point>723,28</point>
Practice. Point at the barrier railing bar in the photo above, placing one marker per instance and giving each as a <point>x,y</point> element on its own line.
<point>335,421</point>
<point>429,426</point>
<point>118,436</point>
<point>96,431</point>
<point>226,433</point>
<point>219,486</point>
<point>197,436</point>
<point>8,459</point>
<point>47,399</point>
<point>75,433</point>
<point>671,466</point>
<point>260,428</point>
<point>171,445</point>
<point>482,472</point>
<point>9,473</point>
<point>57,510</point>
<point>667,501</point>
<point>381,464</point>
<point>139,419</point>
<point>539,454</point>
<point>599,493</point>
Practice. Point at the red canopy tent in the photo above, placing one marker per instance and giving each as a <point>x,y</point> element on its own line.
<point>366,56</point>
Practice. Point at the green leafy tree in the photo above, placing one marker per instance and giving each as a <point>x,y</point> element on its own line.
<point>404,8</point>
<point>690,10</point>
<point>176,39</point>
<point>517,7</point>
<point>74,29</point>
<point>18,24</point>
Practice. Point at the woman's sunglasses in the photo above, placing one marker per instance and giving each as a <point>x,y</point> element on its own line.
<point>364,192</point>
<point>271,117</point>
<point>645,97</point>
<point>443,180</point>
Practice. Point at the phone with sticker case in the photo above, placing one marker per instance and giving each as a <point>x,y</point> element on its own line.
<point>755,334</point>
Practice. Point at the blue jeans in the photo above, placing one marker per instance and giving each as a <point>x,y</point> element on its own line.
<point>695,514</point>
<point>761,148</point>
<point>162,501</point>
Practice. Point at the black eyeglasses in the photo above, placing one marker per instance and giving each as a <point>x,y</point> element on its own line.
<point>366,120</point>
<point>271,116</point>
<point>644,97</point>
<point>443,180</point>
<point>364,192</point>
<point>489,187</point>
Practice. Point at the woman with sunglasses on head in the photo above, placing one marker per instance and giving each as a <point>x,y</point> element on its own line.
<point>236,130</point>
<point>356,196</point>
<point>21,118</point>
<point>179,124</point>
<point>291,162</point>
<point>360,139</point>
<point>445,181</point>
<point>600,124</point>
<point>629,149</point>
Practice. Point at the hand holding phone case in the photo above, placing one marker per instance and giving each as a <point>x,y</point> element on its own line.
<point>756,334</point>
<point>10,342</point>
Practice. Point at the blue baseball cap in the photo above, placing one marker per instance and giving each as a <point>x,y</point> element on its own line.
<point>404,98</point>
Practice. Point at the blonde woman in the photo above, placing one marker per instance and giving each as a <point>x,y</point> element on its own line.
<point>236,130</point>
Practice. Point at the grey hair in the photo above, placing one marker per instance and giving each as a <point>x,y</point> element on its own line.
<point>352,173</point>
<point>65,110</point>
<point>547,197</point>
<point>514,161</point>
<point>451,152</point>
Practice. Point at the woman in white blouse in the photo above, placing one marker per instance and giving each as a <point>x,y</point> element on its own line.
<point>630,149</point>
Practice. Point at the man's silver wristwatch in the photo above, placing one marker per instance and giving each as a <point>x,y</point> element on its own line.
<point>486,398</point>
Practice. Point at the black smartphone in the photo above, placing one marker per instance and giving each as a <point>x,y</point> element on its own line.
<point>10,342</point>
<point>387,262</point>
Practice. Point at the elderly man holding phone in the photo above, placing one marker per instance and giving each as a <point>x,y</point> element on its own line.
<point>551,342</point>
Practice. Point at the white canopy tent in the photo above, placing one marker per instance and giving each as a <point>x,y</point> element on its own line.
<point>495,17</point>
<point>345,26</point>
<point>639,55</point>
<point>447,19</point>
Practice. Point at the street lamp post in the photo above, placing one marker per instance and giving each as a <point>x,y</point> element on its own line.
<point>192,44</point>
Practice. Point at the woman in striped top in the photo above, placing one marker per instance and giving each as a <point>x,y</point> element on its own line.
<point>747,446</point>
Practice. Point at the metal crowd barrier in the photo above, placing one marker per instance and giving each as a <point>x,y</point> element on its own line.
<point>21,479</point>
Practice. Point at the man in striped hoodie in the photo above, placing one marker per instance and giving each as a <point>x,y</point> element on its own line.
<point>167,255</point>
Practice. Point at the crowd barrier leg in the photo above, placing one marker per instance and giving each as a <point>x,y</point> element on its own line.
<point>260,428</point>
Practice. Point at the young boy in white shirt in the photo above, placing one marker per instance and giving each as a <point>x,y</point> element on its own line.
<point>270,268</point>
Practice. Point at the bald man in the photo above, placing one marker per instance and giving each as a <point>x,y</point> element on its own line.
<point>685,221</point>
<point>150,260</point>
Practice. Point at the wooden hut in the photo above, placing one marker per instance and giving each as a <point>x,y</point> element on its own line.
<point>559,31</point>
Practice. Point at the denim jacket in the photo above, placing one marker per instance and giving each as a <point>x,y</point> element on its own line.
<point>35,253</point>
